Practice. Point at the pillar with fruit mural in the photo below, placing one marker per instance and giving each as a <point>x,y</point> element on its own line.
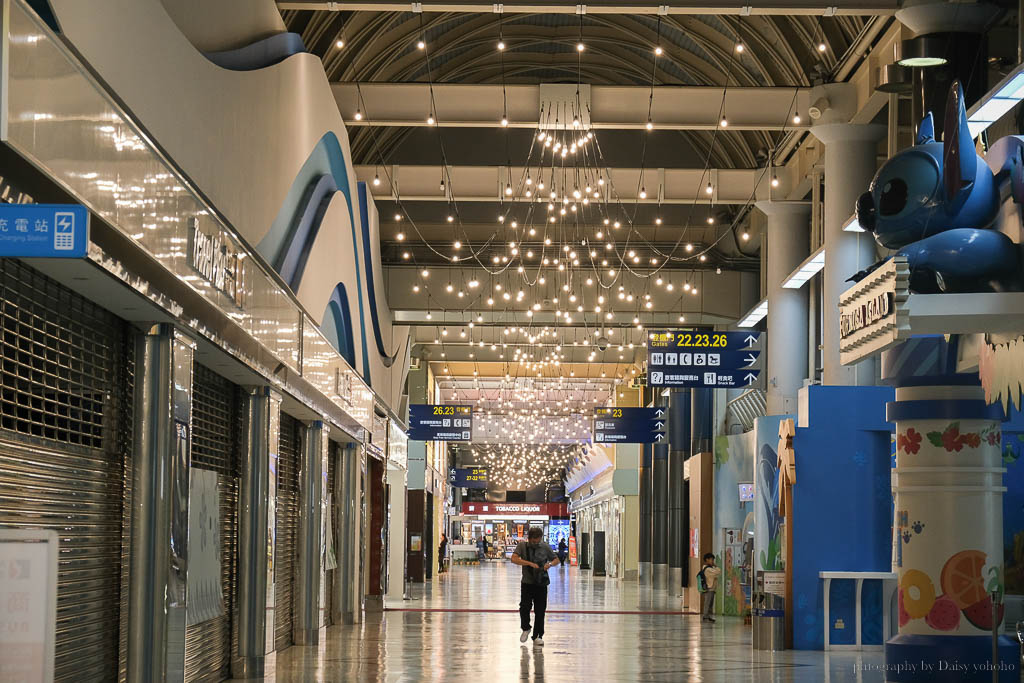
<point>948,517</point>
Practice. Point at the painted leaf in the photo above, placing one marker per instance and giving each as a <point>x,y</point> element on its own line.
<point>935,438</point>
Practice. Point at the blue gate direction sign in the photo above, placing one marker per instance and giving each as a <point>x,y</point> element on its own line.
<point>440,423</point>
<point>468,477</point>
<point>44,230</point>
<point>703,359</point>
<point>630,425</point>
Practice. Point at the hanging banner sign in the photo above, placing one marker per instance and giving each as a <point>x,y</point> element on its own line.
<point>440,423</point>
<point>44,230</point>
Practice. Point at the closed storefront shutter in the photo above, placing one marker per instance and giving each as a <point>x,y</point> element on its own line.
<point>215,442</point>
<point>332,473</point>
<point>287,527</point>
<point>65,388</point>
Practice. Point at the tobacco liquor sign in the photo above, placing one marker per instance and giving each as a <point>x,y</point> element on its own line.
<point>873,314</point>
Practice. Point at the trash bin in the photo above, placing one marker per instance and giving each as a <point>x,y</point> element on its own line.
<point>768,616</point>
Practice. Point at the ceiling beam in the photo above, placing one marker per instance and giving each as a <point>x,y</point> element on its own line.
<point>487,184</point>
<point>733,7</point>
<point>610,107</point>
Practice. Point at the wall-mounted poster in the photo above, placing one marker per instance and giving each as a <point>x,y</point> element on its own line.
<point>416,543</point>
<point>695,542</point>
<point>205,600</point>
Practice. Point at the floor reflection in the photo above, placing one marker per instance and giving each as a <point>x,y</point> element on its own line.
<point>476,639</point>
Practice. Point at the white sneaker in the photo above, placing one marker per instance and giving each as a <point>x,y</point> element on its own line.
<point>537,642</point>
<point>524,636</point>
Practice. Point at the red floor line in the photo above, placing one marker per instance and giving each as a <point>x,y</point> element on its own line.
<point>513,611</point>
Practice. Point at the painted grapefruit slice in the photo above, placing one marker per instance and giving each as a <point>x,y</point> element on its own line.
<point>962,580</point>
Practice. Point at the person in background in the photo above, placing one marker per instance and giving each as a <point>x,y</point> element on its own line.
<point>442,549</point>
<point>707,582</point>
<point>535,558</point>
<point>481,547</point>
<point>563,550</point>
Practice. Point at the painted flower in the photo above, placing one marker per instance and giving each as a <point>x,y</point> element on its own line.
<point>911,441</point>
<point>973,439</point>
<point>952,440</point>
<point>993,437</point>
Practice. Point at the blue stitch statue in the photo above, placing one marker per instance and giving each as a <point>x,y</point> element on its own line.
<point>932,204</point>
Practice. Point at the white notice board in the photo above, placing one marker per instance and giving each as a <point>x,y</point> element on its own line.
<point>28,604</point>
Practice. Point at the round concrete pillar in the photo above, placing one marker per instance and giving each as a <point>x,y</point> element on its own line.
<point>850,164</point>
<point>786,355</point>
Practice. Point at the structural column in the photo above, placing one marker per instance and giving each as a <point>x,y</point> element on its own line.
<point>347,574</point>
<point>948,531</point>
<point>701,420</point>
<point>679,451</point>
<point>256,499</point>
<point>158,563</point>
<point>786,361</point>
<point>659,514</point>
<point>644,567</point>
<point>396,537</point>
<point>306,615</point>
<point>850,164</point>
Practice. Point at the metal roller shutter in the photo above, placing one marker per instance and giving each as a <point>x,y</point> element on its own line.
<point>215,430</point>
<point>287,527</point>
<point>332,473</point>
<point>64,383</point>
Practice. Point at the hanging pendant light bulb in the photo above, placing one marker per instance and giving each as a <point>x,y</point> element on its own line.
<point>724,122</point>
<point>775,180</point>
<point>709,189</point>
<point>711,220</point>
<point>504,121</point>
<point>643,193</point>
<point>739,47</point>
<point>796,118</point>
<point>501,45</point>
<point>822,47</point>
<point>358,115</point>
<point>745,235</point>
<point>340,43</point>
<point>430,120</point>
<point>650,125</point>
<point>508,189</point>
<point>658,50</point>
<point>580,47</point>
<point>376,180</point>
<point>421,45</point>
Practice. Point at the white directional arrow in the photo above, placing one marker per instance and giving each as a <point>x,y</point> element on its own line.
<point>659,437</point>
<point>750,377</point>
<point>659,412</point>
<point>659,425</point>
<point>751,339</point>
<point>751,358</point>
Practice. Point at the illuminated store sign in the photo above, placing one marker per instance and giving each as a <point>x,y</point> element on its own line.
<point>218,261</point>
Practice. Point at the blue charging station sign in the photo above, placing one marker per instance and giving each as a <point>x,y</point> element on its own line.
<point>44,230</point>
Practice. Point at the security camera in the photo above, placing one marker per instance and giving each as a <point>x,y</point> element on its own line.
<point>602,343</point>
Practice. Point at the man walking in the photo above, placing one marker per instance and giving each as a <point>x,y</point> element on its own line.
<point>535,558</point>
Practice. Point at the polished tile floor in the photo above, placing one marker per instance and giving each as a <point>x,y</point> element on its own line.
<point>456,629</point>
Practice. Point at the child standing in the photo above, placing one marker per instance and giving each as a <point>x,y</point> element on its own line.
<point>707,582</point>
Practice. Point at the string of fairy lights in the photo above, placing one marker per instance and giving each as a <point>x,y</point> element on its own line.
<point>563,241</point>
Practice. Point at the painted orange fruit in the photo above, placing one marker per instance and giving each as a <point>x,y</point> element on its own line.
<point>962,580</point>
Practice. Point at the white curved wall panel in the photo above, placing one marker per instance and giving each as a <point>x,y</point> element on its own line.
<point>242,137</point>
<point>224,24</point>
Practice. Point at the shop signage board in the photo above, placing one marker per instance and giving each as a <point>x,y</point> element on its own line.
<point>573,557</point>
<point>504,509</point>
<point>468,477</point>
<point>703,359</point>
<point>28,603</point>
<point>874,314</point>
<point>429,422</point>
<point>219,260</point>
<point>630,425</point>
<point>44,230</point>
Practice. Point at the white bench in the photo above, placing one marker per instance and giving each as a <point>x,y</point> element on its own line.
<point>888,580</point>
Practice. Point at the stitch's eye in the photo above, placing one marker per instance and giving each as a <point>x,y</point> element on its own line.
<point>894,197</point>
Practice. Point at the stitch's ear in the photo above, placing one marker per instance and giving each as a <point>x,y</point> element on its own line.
<point>925,130</point>
<point>959,162</point>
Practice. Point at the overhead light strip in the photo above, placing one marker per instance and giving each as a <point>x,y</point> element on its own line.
<point>996,102</point>
<point>806,270</point>
<point>756,314</point>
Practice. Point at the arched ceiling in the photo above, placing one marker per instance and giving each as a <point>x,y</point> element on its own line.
<point>699,50</point>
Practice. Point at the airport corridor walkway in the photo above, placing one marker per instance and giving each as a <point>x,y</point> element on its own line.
<point>464,626</point>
